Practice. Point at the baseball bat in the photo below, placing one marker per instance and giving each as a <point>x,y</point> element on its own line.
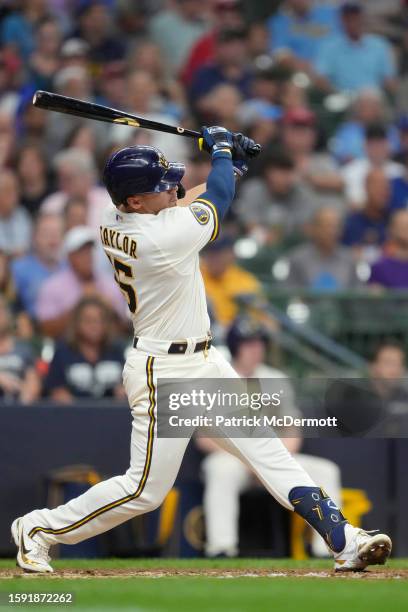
<point>98,112</point>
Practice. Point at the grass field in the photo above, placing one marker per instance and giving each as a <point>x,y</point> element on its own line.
<point>216,586</point>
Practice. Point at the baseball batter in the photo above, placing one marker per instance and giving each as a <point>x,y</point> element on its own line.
<point>153,246</point>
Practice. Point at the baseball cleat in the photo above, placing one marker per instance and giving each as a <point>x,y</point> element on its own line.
<point>362,549</point>
<point>33,557</point>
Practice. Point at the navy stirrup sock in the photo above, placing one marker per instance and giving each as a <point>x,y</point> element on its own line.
<point>319,510</point>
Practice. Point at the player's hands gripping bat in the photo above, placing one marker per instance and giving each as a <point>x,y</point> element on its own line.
<point>242,146</point>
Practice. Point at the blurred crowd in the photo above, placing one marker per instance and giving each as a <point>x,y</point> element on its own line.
<point>321,85</point>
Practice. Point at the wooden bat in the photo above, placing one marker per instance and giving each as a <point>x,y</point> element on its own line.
<point>98,112</point>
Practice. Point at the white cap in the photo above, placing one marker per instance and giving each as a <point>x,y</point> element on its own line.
<point>77,237</point>
<point>74,47</point>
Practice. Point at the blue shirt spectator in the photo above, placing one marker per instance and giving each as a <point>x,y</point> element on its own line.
<point>354,60</point>
<point>17,31</point>
<point>367,228</point>
<point>30,271</point>
<point>229,66</point>
<point>302,32</point>
<point>349,141</point>
<point>361,230</point>
<point>209,77</point>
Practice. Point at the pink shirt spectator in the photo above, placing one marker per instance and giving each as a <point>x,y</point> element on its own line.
<point>98,199</point>
<point>62,291</point>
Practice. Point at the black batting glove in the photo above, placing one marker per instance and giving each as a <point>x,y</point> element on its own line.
<point>216,139</point>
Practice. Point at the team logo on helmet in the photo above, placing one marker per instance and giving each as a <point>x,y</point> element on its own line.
<point>163,162</point>
<point>201,214</point>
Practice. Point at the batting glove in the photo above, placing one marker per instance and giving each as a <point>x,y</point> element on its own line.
<point>216,139</point>
<point>244,147</point>
<point>240,167</point>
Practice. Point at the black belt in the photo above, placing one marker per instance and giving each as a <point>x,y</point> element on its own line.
<point>180,348</point>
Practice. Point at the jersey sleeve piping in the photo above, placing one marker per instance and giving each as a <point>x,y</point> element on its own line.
<point>213,209</point>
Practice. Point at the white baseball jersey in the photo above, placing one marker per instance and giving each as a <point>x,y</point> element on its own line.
<point>156,264</point>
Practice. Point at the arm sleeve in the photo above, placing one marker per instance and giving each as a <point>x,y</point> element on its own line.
<point>220,186</point>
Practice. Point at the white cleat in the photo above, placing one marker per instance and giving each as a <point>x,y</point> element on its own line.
<point>362,549</point>
<point>33,557</point>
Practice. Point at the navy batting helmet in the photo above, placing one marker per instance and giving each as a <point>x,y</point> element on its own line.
<point>242,330</point>
<point>140,169</point>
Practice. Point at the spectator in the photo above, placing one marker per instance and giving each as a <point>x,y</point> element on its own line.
<point>349,139</point>
<point>15,224</point>
<point>31,121</point>
<point>259,120</point>
<point>223,107</point>
<point>87,364</point>
<point>226,14</point>
<point>75,82</point>
<point>95,28</point>
<point>75,213</point>
<point>146,57</point>
<point>59,295</point>
<point>74,52</point>
<point>378,155</point>
<point>322,264</point>
<point>316,169</point>
<point>143,98</point>
<point>112,85</point>
<point>277,204</point>
<point>225,476</point>
<point>229,66</point>
<point>17,33</point>
<point>44,61</point>
<point>354,60</point>
<point>391,270</point>
<point>76,178</point>
<point>225,282</point>
<point>18,378</point>
<point>388,374</point>
<point>367,405</point>
<point>388,362</point>
<point>366,229</point>
<point>177,29</point>
<point>300,27</point>
<point>82,137</point>
<point>31,166</point>
<point>32,270</point>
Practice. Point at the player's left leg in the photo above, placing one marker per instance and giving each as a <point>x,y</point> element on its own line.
<point>289,483</point>
<point>328,475</point>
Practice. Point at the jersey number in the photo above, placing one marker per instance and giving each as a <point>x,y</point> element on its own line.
<point>122,272</point>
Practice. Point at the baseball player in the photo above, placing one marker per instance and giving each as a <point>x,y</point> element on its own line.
<point>154,246</point>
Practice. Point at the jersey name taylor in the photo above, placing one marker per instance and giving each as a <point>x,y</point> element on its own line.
<point>155,259</point>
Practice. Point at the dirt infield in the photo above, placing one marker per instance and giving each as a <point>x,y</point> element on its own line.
<point>372,574</point>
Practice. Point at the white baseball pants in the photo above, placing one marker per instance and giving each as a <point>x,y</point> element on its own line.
<point>154,462</point>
